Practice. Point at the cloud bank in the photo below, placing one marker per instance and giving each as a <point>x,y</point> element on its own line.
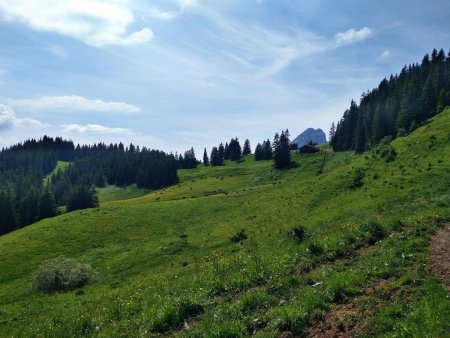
<point>94,22</point>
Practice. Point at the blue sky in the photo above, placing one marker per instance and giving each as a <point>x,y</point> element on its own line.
<point>179,73</point>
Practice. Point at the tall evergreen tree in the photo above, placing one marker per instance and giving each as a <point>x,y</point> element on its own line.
<point>259,152</point>
<point>205,158</point>
<point>226,152</point>
<point>216,160</point>
<point>235,149</point>
<point>7,219</point>
<point>282,152</point>
<point>332,132</point>
<point>221,152</point>
<point>246,150</point>
<point>47,207</point>
<point>267,147</point>
<point>82,197</point>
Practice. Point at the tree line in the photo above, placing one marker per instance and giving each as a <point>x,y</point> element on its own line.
<point>25,197</point>
<point>397,106</point>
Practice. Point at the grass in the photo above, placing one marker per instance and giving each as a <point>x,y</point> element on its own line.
<point>114,193</point>
<point>169,268</point>
<point>60,165</point>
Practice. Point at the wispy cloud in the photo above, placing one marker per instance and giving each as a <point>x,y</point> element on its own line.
<point>96,129</point>
<point>352,35</point>
<point>73,103</point>
<point>266,51</point>
<point>94,22</point>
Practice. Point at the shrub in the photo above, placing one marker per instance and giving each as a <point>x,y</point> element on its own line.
<point>63,274</point>
<point>372,232</point>
<point>357,178</point>
<point>174,317</point>
<point>240,236</point>
<point>315,249</point>
<point>298,233</point>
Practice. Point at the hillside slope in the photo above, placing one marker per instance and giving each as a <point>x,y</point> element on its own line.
<point>170,268</point>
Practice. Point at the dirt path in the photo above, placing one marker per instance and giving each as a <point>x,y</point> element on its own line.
<point>440,255</point>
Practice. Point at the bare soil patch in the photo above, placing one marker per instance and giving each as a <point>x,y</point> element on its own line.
<point>440,255</point>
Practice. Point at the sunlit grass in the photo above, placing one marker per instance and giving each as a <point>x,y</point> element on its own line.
<point>165,253</point>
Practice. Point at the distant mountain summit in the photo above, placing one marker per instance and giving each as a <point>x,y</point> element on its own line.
<point>310,135</point>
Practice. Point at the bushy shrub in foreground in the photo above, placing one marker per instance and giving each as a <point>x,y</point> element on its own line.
<point>63,274</point>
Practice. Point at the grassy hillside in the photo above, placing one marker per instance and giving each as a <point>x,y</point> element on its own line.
<point>61,165</point>
<point>169,268</point>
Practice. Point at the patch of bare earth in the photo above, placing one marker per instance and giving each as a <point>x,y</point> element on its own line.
<point>440,255</point>
<point>345,320</point>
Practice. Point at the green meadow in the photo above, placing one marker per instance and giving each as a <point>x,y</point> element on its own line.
<point>213,255</point>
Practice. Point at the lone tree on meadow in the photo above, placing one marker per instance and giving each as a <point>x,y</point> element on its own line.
<point>246,150</point>
<point>282,151</point>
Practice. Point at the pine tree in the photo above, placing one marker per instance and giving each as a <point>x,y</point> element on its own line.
<point>7,219</point>
<point>47,207</point>
<point>246,150</point>
<point>226,152</point>
<point>221,152</point>
<point>282,153</point>
<point>267,147</point>
<point>332,132</point>
<point>215,157</point>
<point>235,150</point>
<point>259,152</point>
<point>205,158</point>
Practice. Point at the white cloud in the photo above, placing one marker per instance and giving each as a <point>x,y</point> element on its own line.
<point>73,103</point>
<point>385,54</point>
<point>95,22</point>
<point>8,119</point>
<point>352,35</point>
<point>96,129</point>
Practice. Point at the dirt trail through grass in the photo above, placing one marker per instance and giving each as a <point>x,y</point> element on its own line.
<point>440,255</point>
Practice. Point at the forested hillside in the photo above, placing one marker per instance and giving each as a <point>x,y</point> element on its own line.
<point>26,196</point>
<point>399,104</point>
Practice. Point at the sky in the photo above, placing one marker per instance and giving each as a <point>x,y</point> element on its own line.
<point>179,73</point>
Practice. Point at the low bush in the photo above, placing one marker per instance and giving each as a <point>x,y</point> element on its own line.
<point>240,236</point>
<point>298,233</point>
<point>372,232</point>
<point>63,274</point>
<point>315,249</point>
<point>173,318</point>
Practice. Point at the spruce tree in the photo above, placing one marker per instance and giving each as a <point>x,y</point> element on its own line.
<point>282,153</point>
<point>267,147</point>
<point>215,157</point>
<point>332,132</point>
<point>47,207</point>
<point>226,152</point>
<point>221,152</point>
<point>246,150</point>
<point>235,150</point>
<point>8,218</point>
<point>259,152</point>
<point>205,159</point>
